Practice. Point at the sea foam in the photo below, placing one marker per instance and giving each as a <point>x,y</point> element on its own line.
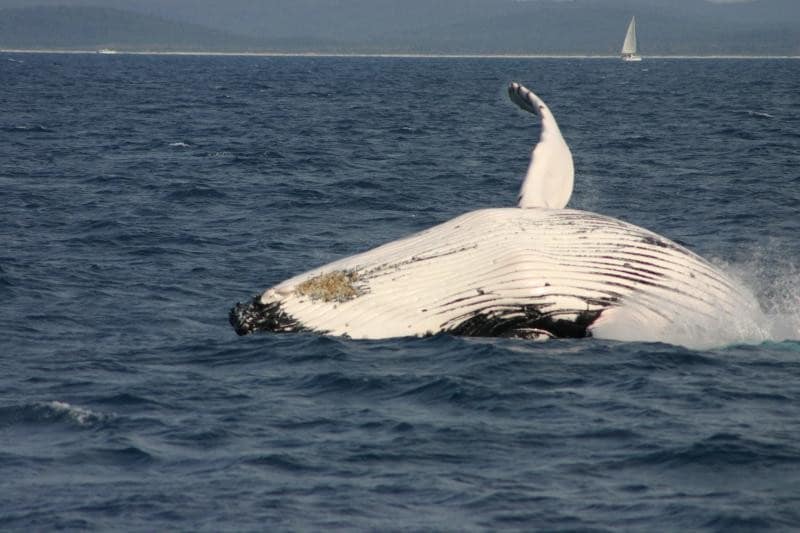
<point>82,416</point>
<point>775,280</point>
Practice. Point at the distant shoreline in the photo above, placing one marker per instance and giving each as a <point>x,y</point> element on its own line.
<point>385,55</point>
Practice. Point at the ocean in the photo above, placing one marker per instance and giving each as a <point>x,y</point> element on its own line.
<point>143,196</point>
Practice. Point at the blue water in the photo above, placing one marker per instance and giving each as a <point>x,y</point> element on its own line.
<point>142,196</point>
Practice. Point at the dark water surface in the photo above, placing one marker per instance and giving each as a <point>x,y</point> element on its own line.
<point>142,196</point>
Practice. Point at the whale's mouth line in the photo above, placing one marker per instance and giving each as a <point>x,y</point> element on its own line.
<point>527,322</point>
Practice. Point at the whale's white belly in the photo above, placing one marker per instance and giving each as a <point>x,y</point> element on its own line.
<point>516,272</point>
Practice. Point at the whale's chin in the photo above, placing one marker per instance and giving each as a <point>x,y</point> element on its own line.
<point>255,316</point>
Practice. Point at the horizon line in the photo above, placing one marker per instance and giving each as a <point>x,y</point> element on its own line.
<point>111,51</point>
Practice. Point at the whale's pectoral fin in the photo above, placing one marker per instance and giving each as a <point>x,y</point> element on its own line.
<point>548,182</point>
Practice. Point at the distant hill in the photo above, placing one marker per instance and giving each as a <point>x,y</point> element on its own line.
<point>592,27</point>
<point>508,26</point>
<point>89,28</point>
<point>595,28</point>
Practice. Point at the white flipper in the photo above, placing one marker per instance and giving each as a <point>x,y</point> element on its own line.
<point>548,182</point>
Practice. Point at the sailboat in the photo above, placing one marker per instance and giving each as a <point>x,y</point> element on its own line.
<point>629,46</point>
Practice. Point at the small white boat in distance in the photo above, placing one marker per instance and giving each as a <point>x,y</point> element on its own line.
<point>629,46</point>
<point>106,51</point>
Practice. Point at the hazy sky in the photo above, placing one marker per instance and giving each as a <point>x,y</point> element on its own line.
<point>479,25</point>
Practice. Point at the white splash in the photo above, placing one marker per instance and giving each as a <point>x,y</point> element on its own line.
<point>80,415</point>
<point>179,144</point>
<point>695,330</point>
<point>775,279</point>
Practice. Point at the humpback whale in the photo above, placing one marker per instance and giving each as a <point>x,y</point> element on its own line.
<point>535,271</point>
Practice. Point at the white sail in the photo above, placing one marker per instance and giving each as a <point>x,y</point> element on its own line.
<point>629,46</point>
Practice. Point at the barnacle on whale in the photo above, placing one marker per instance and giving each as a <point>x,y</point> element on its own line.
<point>336,286</point>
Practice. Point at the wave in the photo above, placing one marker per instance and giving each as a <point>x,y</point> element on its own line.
<point>123,456</point>
<point>720,450</point>
<point>80,415</point>
<point>759,114</point>
<point>191,192</point>
<point>26,129</point>
<point>49,412</point>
